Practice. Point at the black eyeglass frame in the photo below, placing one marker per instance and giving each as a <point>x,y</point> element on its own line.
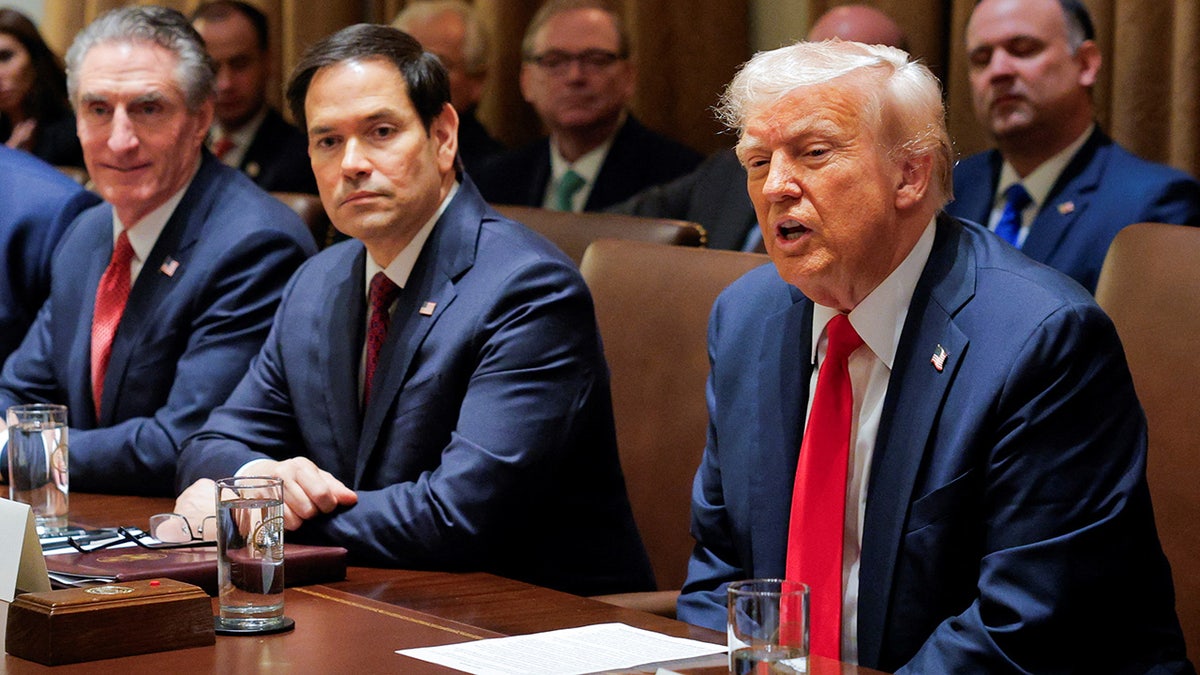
<point>136,538</point>
<point>591,60</point>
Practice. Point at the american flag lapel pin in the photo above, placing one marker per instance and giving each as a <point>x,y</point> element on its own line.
<point>427,308</point>
<point>169,266</point>
<point>939,358</point>
<point>1066,207</point>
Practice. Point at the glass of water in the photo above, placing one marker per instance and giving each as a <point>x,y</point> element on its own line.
<point>37,462</point>
<point>250,555</point>
<point>768,626</point>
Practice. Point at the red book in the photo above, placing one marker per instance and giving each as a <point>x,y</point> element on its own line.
<point>302,565</point>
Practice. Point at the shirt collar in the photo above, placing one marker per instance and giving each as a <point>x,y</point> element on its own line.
<point>1041,180</point>
<point>144,233</point>
<point>242,138</point>
<point>588,166</point>
<point>879,318</point>
<point>243,134</point>
<point>402,265</point>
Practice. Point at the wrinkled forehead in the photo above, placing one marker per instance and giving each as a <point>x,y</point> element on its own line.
<point>576,30</point>
<point>994,22</point>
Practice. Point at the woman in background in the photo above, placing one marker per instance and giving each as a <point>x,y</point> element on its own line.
<point>34,113</point>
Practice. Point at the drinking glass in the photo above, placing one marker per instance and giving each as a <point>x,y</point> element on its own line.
<point>250,554</point>
<point>37,462</point>
<point>768,626</point>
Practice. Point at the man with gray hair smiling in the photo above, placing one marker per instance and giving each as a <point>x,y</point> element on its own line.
<point>938,435</point>
<point>161,295</point>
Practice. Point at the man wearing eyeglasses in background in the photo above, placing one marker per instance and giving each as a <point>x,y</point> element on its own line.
<point>578,75</point>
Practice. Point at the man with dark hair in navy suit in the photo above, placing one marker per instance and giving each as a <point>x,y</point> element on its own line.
<point>161,295</point>
<point>247,133</point>
<point>434,392</point>
<point>938,435</point>
<point>1032,65</point>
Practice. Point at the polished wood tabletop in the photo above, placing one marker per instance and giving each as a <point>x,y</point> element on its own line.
<point>355,625</point>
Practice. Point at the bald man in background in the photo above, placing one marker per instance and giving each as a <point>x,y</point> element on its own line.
<point>714,195</point>
<point>1055,185</point>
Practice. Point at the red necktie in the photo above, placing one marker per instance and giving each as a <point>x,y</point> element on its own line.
<point>383,293</point>
<point>814,553</point>
<point>111,295</point>
<point>222,147</point>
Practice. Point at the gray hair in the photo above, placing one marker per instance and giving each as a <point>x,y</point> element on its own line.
<point>475,42</point>
<point>906,106</point>
<point>160,26</point>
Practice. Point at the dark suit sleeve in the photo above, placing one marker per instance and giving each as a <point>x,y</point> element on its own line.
<point>29,252</point>
<point>531,385</point>
<point>535,374</point>
<point>714,561</point>
<point>260,411</point>
<point>1177,203</point>
<point>232,318</point>
<point>1070,557</point>
<point>668,200</point>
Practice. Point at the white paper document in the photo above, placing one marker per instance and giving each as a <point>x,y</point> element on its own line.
<point>571,651</point>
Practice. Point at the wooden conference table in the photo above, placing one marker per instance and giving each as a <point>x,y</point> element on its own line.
<point>355,626</point>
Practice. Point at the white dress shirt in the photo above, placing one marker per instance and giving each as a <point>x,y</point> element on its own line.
<point>588,167</point>
<point>879,320</point>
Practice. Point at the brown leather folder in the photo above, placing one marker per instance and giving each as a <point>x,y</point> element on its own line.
<point>302,565</point>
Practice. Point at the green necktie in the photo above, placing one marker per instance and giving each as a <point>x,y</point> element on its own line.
<point>570,183</point>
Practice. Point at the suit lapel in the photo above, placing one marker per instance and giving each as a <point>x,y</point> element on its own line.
<point>448,253</point>
<point>916,390</point>
<point>80,370</point>
<point>341,357</point>
<point>783,400</point>
<point>975,202</point>
<point>1068,199</point>
<point>540,181</point>
<point>165,267</point>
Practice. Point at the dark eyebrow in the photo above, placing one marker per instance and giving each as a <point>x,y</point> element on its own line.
<point>378,115</point>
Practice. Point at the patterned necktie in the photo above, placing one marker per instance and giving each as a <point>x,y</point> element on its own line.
<point>815,531</point>
<point>111,295</point>
<point>383,294</point>
<point>564,195</point>
<point>1016,200</point>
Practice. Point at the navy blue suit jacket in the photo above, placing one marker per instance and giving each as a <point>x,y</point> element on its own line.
<point>488,443</point>
<point>637,159</point>
<point>714,195</point>
<point>277,159</point>
<point>1008,524</point>
<point>39,203</point>
<point>1103,189</point>
<point>197,313</point>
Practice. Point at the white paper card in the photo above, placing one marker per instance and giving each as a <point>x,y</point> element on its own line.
<point>571,651</point>
<point>22,567</point>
